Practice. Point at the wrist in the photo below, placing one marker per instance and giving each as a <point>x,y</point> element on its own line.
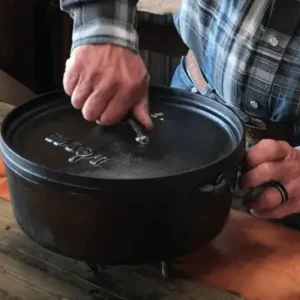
<point>110,22</point>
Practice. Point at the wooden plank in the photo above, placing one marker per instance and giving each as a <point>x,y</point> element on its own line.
<point>160,7</point>
<point>12,91</point>
<point>28,271</point>
<point>5,108</point>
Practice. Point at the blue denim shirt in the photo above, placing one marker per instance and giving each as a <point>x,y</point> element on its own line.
<point>246,53</point>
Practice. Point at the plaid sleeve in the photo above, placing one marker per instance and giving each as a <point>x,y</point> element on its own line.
<point>102,22</point>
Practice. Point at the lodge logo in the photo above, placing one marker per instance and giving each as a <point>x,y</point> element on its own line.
<point>78,150</point>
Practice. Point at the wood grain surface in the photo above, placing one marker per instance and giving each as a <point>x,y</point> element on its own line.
<point>160,7</point>
<point>29,272</point>
<point>5,108</point>
<point>256,259</point>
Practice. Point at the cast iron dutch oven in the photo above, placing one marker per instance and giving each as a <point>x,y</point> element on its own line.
<point>111,195</point>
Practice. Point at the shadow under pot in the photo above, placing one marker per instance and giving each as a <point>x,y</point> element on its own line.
<point>117,194</point>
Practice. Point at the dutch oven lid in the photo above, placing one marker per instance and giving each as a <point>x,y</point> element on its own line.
<point>191,132</point>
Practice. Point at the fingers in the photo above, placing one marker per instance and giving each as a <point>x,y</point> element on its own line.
<point>106,81</point>
<point>70,78</point>
<point>80,94</point>
<point>273,160</point>
<point>267,171</point>
<point>267,150</point>
<point>277,212</point>
<point>117,107</point>
<point>268,204</point>
<point>93,108</point>
<point>141,112</point>
<point>98,100</point>
<point>269,199</point>
<point>136,98</point>
<point>114,111</point>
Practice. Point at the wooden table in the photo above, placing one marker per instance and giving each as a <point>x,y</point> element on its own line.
<point>159,7</point>
<point>29,272</point>
<point>252,259</point>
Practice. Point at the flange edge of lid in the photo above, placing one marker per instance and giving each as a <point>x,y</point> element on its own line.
<point>156,89</point>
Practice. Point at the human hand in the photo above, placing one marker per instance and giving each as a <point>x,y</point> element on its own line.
<point>105,82</point>
<point>271,160</point>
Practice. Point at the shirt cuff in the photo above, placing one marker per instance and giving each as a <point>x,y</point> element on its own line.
<point>109,22</point>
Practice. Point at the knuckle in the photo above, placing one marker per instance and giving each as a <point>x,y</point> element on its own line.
<point>134,91</point>
<point>114,118</point>
<point>95,77</point>
<point>269,144</point>
<point>76,103</point>
<point>126,100</point>
<point>71,68</point>
<point>125,96</point>
<point>68,84</point>
<point>137,82</point>
<point>109,120</point>
<point>89,114</point>
<point>278,148</point>
<point>266,168</point>
<point>83,88</point>
<point>283,144</point>
<point>80,94</point>
<point>249,180</point>
<point>285,147</point>
<point>141,82</point>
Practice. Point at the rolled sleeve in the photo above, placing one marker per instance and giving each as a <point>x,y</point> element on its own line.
<point>103,22</point>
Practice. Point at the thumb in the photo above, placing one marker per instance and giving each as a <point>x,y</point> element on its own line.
<point>141,112</point>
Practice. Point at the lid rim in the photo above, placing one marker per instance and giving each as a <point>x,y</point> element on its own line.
<point>107,184</point>
<point>69,178</point>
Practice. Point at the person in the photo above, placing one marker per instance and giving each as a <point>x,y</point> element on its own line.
<point>244,54</point>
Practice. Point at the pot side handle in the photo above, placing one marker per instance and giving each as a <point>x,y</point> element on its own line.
<point>223,184</point>
<point>247,195</point>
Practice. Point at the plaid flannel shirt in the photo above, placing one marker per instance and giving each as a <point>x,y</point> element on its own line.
<point>246,62</point>
<point>103,21</point>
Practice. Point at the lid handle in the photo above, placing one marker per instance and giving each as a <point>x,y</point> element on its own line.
<point>141,137</point>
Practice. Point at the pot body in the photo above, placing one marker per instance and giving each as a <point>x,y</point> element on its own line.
<point>117,227</point>
<point>145,203</point>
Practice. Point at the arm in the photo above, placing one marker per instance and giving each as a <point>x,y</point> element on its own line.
<point>105,44</point>
<point>102,22</point>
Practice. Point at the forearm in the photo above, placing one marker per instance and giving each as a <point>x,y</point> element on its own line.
<point>103,22</point>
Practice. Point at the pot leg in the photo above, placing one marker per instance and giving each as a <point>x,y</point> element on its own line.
<point>96,268</point>
<point>166,269</point>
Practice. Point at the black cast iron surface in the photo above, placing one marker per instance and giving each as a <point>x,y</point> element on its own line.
<point>144,202</point>
<point>117,228</point>
<point>189,134</point>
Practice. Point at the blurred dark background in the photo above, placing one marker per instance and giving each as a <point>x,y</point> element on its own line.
<point>36,38</point>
